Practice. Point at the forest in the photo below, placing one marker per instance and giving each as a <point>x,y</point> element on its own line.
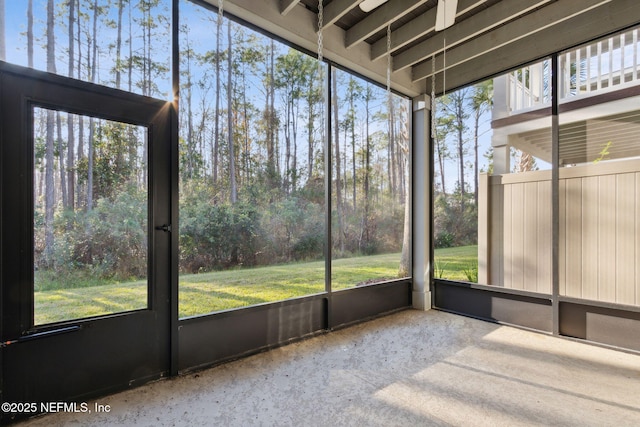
<point>255,148</point>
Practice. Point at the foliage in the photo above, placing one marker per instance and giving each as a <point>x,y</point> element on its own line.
<point>455,223</point>
<point>107,242</point>
<point>252,150</point>
<point>471,272</point>
<point>216,236</point>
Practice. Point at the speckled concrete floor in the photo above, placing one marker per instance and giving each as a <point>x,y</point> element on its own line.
<point>409,369</point>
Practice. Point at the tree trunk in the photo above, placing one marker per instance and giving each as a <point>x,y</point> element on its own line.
<point>233,196</point>
<point>336,127</point>
<point>460,116</point>
<point>130,61</point>
<point>404,151</point>
<point>61,168</point>
<point>287,145</point>
<point>190,144</point>
<point>352,128</point>
<point>272,151</point>
<point>475,156</point>
<point>294,125</point>
<point>405,257</point>
<point>70,133</point>
<point>367,161</point>
<point>391,157</point>
<point>216,140</point>
<point>119,43</point>
<point>310,118</point>
<point>90,147</point>
<point>50,127</point>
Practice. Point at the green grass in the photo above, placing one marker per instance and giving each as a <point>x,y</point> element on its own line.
<point>456,263</point>
<point>209,292</point>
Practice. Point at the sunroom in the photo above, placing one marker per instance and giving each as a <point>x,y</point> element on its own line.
<point>189,182</point>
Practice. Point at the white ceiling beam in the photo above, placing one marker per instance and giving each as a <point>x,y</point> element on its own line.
<point>299,27</point>
<point>543,19</point>
<point>378,19</point>
<point>482,22</point>
<point>337,9</point>
<point>614,16</point>
<point>287,5</point>
<point>416,28</point>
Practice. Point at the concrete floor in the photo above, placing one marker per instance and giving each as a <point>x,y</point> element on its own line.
<point>408,369</point>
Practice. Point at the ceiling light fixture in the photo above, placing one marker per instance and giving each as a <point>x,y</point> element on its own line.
<point>446,14</point>
<point>369,5</point>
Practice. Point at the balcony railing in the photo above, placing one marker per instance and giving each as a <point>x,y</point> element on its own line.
<point>605,65</point>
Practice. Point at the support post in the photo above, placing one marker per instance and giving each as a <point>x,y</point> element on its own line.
<point>501,154</point>
<point>422,180</point>
<point>484,230</point>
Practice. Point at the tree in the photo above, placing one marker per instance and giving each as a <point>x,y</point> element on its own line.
<point>455,105</point>
<point>444,125</point>
<point>93,54</point>
<point>49,150</point>
<point>185,55</point>
<point>354,93</point>
<point>313,96</point>
<point>293,71</point>
<point>70,122</point>
<point>233,188</point>
<point>118,65</point>
<point>481,98</point>
<point>336,137</point>
<point>216,143</point>
<point>403,143</point>
<point>368,96</point>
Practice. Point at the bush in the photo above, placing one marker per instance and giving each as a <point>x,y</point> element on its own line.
<point>444,239</point>
<point>216,236</point>
<point>107,242</point>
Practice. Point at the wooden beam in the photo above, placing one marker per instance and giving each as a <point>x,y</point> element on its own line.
<point>474,26</point>
<point>287,5</point>
<point>613,16</point>
<point>416,28</point>
<point>378,19</point>
<point>299,27</point>
<point>337,9</point>
<point>544,19</point>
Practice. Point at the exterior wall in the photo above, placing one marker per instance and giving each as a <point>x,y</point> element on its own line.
<point>599,252</point>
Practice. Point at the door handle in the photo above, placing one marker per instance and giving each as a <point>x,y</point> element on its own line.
<point>42,334</point>
<point>165,227</point>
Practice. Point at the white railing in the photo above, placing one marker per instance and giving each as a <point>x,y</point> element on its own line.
<point>529,87</point>
<point>604,65</point>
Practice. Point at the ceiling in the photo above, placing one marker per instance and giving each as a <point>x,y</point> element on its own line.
<point>488,37</point>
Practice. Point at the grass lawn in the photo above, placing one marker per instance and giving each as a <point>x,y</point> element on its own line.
<point>208,292</point>
<point>459,263</point>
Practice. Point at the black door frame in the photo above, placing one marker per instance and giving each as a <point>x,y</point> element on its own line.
<point>82,358</point>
